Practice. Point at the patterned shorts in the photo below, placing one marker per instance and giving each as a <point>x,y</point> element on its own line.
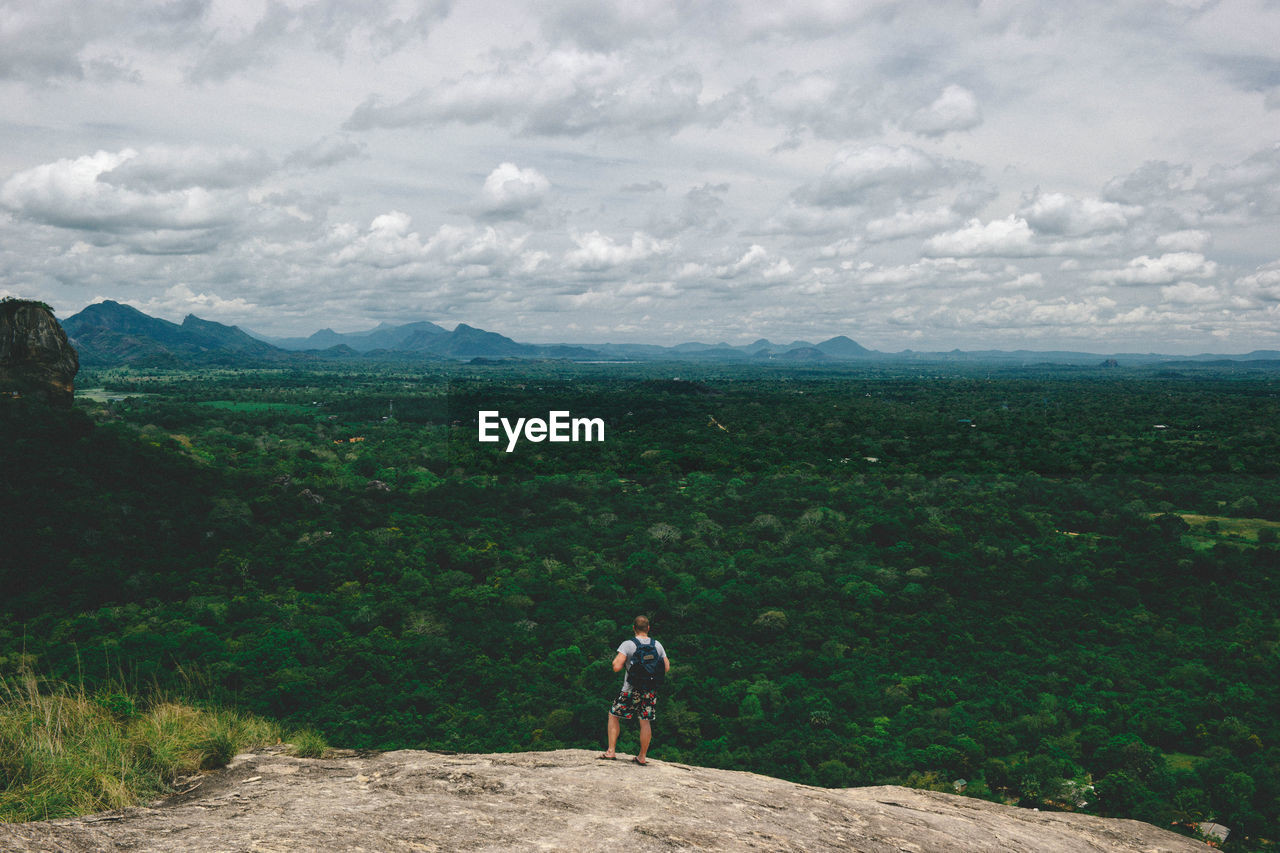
<point>630,701</point>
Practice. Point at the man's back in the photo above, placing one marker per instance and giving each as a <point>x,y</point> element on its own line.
<point>640,698</point>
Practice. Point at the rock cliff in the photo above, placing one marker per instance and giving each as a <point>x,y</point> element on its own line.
<point>35,357</point>
<point>565,800</point>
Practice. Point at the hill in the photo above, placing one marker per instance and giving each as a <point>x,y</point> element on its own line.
<point>108,334</point>
<point>562,800</point>
<point>843,347</point>
<point>385,336</point>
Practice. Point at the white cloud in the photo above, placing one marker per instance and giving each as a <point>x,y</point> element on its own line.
<point>794,219</point>
<point>606,25</point>
<point>80,193</point>
<point>1262,284</point>
<point>910,223</point>
<point>61,39</point>
<point>453,251</point>
<point>597,252</point>
<point>115,40</point>
<point>756,261</point>
<point>1014,237</point>
<point>163,168</point>
<point>387,243</point>
<point>926,271</point>
<point>1065,215</point>
<point>374,27</point>
<point>180,300</point>
<point>1025,281</point>
<point>1154,181</point>
<point>855,175</point>
<point>1249,188</point>
<point>1184,241</point>
<point>1019,311</point>
<point>1190,293</point>
<point>1008,237</point>
<point>845,247</point>
<point>510,191</point>
<point>955,109</point>
<point>828,105</point>
<point>564,92</point>
<point>1165,269</point>
<point>487,247</point>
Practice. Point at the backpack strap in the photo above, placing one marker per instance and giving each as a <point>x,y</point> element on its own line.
<point>646,644</point>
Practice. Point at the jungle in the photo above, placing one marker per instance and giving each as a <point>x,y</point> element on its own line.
<point>1047,586</point>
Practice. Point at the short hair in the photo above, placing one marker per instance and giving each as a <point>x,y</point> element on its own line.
<point>642,623</point>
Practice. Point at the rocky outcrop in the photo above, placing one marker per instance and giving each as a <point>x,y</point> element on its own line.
<point>35,356</point>
<point>566,800</point>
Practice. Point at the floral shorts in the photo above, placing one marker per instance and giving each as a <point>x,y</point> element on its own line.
<point>630,701</point>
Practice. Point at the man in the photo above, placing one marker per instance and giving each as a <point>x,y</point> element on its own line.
<point>632,700</point>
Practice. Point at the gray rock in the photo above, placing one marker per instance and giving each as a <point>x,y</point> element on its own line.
<point>566,800</point>
<point>35,357</point>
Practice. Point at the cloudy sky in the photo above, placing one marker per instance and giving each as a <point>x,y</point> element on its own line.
<point>924,175</point>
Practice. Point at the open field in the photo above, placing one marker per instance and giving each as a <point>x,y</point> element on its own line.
<point>1248,529</point>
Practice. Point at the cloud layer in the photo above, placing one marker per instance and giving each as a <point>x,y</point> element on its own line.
<point>911,174</point>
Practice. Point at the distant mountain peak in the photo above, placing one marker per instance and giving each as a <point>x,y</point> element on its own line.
<point>111,308</point>
<point>841,346</point>
<point>109,333</point>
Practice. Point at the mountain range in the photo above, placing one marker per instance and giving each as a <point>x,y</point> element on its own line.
<point>110,334</point>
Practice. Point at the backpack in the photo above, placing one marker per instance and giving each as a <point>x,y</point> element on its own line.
<point>647,666</point>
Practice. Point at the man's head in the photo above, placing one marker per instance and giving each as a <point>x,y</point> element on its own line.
<point>642,624</point>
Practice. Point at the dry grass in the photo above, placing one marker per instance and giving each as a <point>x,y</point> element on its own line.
<point>65,751</point>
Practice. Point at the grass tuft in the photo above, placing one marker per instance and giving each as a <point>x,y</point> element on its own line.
<point>308,743</point>
<point>65,751</point>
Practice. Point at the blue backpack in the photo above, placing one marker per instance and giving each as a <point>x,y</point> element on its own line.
<point>647,665</point>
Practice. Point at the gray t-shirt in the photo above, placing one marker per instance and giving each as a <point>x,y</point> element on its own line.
<point>628,648</point>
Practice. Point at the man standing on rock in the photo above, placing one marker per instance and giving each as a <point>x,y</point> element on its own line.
<point>646,663</point>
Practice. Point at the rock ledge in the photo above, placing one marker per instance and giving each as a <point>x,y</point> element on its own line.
<point>564,800</point>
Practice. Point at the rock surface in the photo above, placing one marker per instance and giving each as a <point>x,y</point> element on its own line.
<point>565,800</point>
<point>35,357</point>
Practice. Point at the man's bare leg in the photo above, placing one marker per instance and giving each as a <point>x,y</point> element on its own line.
<point>615,729</point>
<point>646,734</point>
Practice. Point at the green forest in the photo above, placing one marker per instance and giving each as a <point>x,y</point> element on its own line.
<point>1057,585</point>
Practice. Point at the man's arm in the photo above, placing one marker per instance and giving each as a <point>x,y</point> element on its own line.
<point>619,661</point>
<point>667,663</point>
